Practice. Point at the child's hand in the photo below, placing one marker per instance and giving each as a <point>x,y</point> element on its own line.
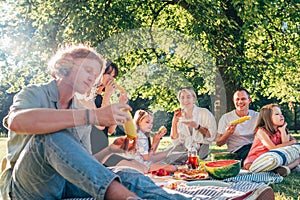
<point>162,130</point>
<point>157,137</point>
<point>282,128</point>
<point>160,134</point>
<point>295,141</point>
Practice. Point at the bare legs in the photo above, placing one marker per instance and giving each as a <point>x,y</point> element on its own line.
<point>294,164</point>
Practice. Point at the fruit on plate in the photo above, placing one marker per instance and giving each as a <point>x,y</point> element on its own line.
<point>129,127</point>
<point>222,169</point>
<point>223,156</point>
<point>161,172</point>
<point>240,120</point>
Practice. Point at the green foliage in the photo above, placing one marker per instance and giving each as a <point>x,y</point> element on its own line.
<point>214,46</point>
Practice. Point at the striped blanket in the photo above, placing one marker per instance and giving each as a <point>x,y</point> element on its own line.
<point>265,177</point>
<point>238,186</point>
<point>220,193</point>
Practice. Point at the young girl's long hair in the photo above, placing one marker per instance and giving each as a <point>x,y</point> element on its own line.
<point>265,118</point>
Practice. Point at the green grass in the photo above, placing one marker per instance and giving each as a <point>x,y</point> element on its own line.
<point>287,190</point>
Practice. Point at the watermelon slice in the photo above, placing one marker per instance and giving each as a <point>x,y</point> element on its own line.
<point>222,169</point>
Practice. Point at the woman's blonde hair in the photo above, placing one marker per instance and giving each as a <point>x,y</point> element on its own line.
<point>61,63</point>
<point>187,90</point>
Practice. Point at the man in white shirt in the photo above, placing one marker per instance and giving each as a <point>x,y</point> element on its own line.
<point>238,137</point>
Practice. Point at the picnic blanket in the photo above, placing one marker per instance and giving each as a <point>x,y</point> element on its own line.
<point>238,185</point>
<point>265,177</point>
<point>88,198</point>
<point>220,193</point>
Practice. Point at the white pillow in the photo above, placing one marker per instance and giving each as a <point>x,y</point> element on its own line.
<point>275,158</point>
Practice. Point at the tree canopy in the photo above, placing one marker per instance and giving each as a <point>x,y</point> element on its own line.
<point>161,45</point>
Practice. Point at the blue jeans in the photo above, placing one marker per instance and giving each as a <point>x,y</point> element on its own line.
<point>51,165</point>
<point>56,166</point>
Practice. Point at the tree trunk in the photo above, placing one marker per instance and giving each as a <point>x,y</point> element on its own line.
<point>223,96</point>
<point>296,108</point>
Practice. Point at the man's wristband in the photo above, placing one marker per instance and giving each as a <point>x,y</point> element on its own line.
<point>199,126</point>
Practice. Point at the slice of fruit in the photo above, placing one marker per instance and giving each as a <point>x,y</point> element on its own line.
<point>240,120</point>
<point>161,172</point>
<point>222,169</point>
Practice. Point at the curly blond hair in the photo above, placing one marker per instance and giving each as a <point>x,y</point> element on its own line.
<point>61,63</point>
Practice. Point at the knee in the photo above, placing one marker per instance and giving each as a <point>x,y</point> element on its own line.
<point>134,165</point>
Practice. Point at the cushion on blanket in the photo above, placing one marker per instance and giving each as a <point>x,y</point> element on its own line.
<point>275,158</point>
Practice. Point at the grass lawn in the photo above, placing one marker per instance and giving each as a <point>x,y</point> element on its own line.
<point>289,189</point>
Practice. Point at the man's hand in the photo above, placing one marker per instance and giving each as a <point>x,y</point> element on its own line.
<point>114,114</point>
<point>230,128</point>
<point>222,138</point>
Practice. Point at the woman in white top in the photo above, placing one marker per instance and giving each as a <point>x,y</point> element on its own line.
<point>192,126</point>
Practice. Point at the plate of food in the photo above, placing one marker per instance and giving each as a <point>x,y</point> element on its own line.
<point>208,183</point>
<point>191,174</point>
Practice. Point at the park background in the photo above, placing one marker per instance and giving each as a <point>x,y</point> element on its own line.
<point>214,46</point>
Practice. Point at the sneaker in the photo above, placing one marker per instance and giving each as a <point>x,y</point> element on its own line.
<point>282,170</point>
<point>262,193</point>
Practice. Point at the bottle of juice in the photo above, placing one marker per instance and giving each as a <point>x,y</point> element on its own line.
<point>193,158</point>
